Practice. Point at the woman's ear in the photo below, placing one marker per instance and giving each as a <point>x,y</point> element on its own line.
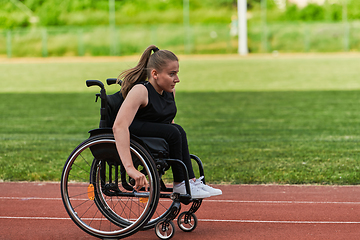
<point>154,73</point>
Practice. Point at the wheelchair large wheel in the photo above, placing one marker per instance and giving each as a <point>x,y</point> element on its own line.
<point>95,199</point>
<point>104,172</point>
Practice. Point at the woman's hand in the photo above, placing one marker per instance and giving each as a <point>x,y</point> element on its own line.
<point>140,179</point>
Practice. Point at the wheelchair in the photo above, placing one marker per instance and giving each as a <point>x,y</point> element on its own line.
<point>98,194</point>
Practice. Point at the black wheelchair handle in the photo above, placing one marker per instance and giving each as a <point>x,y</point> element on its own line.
<point>90,83</point>
<point>111,81</point>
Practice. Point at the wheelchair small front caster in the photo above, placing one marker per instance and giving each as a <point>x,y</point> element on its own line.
<point>164,229</point>
<point>187,221</point>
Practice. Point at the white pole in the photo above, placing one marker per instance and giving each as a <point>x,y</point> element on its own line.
<point>346,26</point>
<point>242,25</point>
<point>112,27</point>
<point>186,20</point>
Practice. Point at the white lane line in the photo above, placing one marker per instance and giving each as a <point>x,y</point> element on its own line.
<point>205,201</point>
<point>280,202</point>
<point>34,218</point>
<point>282,222</point>
<point>201,220</point>
<point>28,198</point>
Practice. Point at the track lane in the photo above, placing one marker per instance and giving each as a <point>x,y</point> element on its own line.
<point>35,211</point>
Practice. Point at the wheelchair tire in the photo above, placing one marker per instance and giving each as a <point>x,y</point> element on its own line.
<point>94,199</point>
<point>187,221</point>
<point>164,230</point>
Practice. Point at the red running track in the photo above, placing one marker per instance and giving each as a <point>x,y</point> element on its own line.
<point>35,211</point>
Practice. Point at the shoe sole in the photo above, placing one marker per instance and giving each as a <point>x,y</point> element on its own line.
<point>216,194</point>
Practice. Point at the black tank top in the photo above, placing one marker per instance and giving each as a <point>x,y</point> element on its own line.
<point>160,108</point>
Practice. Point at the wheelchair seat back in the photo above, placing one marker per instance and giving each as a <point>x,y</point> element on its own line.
<point>114,102</point>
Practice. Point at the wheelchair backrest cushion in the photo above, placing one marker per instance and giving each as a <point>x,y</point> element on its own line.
<point>114,102</point>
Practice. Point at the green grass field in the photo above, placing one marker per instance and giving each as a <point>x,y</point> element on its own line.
<point>291,119</point>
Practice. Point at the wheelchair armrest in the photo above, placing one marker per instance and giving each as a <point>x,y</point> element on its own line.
<point>99,131</point>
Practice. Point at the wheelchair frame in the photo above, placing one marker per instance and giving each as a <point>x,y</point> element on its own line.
<point>96,190</point>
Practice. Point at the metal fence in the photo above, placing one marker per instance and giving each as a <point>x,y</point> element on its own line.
<point>195,39</point>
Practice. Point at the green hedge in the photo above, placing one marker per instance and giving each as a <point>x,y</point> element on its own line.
<point>96,12</point>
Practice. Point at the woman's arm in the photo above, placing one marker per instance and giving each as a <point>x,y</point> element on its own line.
<point>136,98</point>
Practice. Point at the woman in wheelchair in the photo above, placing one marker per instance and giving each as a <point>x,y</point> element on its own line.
<point>148,111</point>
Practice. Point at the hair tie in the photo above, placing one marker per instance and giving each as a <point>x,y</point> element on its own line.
<point>156,49</point>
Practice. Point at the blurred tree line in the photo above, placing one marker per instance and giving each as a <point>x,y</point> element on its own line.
<point>96,12</point>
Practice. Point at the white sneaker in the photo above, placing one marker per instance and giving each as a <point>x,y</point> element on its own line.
<point>213,191</point>
<point>196,193</point>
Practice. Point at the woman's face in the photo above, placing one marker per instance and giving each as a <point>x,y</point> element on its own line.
<point>167,78</point>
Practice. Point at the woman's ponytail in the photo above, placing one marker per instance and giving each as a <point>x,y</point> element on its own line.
<point>142,71</point>
<point>136,74</point>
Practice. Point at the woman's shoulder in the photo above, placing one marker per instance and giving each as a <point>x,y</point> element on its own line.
<point>137,95</point>
<point>138,90</point>
<point>139,86</point>
<point>143,83</point>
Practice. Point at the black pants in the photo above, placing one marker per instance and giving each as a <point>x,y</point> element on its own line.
<point>175,136</point>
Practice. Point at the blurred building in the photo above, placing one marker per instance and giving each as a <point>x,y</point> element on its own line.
<point>280,3</point>
<point>303,3</point>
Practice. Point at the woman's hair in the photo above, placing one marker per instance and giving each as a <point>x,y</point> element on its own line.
<point>142,71</point>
